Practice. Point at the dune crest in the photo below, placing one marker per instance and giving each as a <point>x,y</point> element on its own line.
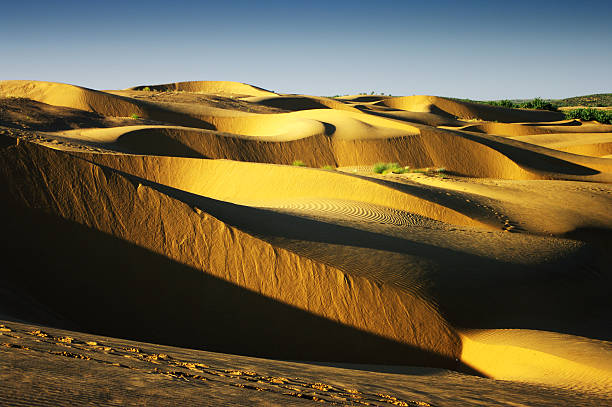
<point>222,87</point>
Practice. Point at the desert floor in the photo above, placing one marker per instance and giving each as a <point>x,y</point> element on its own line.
<point>243,248</point>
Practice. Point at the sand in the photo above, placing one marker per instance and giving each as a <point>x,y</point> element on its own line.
<point>171,214</point>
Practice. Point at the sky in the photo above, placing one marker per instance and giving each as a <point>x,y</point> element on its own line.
<point>469,49</point>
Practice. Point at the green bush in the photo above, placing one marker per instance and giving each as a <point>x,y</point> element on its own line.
<point>603,116</point>
<point>135,116</point>
<point>380,168</point>
<point>588,114</point>
<point>388,168</point>
<point>504,103</point>
<point>328,167</point>
<point>146,89</point>
<point>539,104</point>
<point>298,163</point>
<point>395,168</point>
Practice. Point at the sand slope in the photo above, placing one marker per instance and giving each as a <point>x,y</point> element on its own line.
<point>38,361</point>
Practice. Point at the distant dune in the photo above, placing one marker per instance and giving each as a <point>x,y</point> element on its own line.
<point>224,217</point>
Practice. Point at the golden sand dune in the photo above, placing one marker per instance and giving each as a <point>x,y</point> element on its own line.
<point>468,110</point>
<point>214,87</point>
<point>591,144</point>
<point>59,94</point>
<point>304,138</point>
<point>522,129</point>
<point>541,357</point>
<point>185,225</point>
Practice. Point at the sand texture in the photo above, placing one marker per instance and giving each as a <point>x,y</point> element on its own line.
<point>172,215</point>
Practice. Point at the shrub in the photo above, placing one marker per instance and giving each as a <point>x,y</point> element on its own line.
<point>298,163</point>
<point>602,116</point>
<point>379,168</point>
<point>146,89</point>
<point>507,103</point>
<point>504,103</point>
<point>135,116</point>
<point>539,104</point>
<point>387,168</point>
<point>328,167</point>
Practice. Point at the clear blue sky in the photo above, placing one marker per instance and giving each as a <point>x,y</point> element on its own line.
<point>476,49</point>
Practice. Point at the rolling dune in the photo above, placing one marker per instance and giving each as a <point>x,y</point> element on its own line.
<point>172,215</point>
<point>468,110</point>
<point>214,87</point>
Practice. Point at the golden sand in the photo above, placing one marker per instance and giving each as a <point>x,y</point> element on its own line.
<point>175,216</point>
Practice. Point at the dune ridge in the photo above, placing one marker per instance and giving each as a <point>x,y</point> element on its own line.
<point>228,87</point>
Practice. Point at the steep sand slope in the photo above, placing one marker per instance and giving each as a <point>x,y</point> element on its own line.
<point>97,217</point>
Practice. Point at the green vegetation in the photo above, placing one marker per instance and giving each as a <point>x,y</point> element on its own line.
<point>135,116</point>
<point>298,163</point>
<point>146,89</point>
<point>395,168</point>
<point>596,100</point>
<point>328,167</point>
<point>537,103</point>
<point>602,116</point>
<point>385,168</point>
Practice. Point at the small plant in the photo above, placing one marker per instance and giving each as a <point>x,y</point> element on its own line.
<point>298,163</point>
<point>395,168</point>
<point>146,89</point>
<point>380,167</point>
<point>135,116</point>
<point>328,167</point>
<point>389,168</point>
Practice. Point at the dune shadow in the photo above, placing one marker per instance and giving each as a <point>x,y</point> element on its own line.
<point>293,103</point>
<point>148,142</point>
<point>115,288</point>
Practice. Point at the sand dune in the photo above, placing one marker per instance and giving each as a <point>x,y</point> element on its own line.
<point>467,110</point>
<point>541,357</point>
<point>516,130</point>
<point>185,225</point>
<point>215,87</point>
<point>590,144</point>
